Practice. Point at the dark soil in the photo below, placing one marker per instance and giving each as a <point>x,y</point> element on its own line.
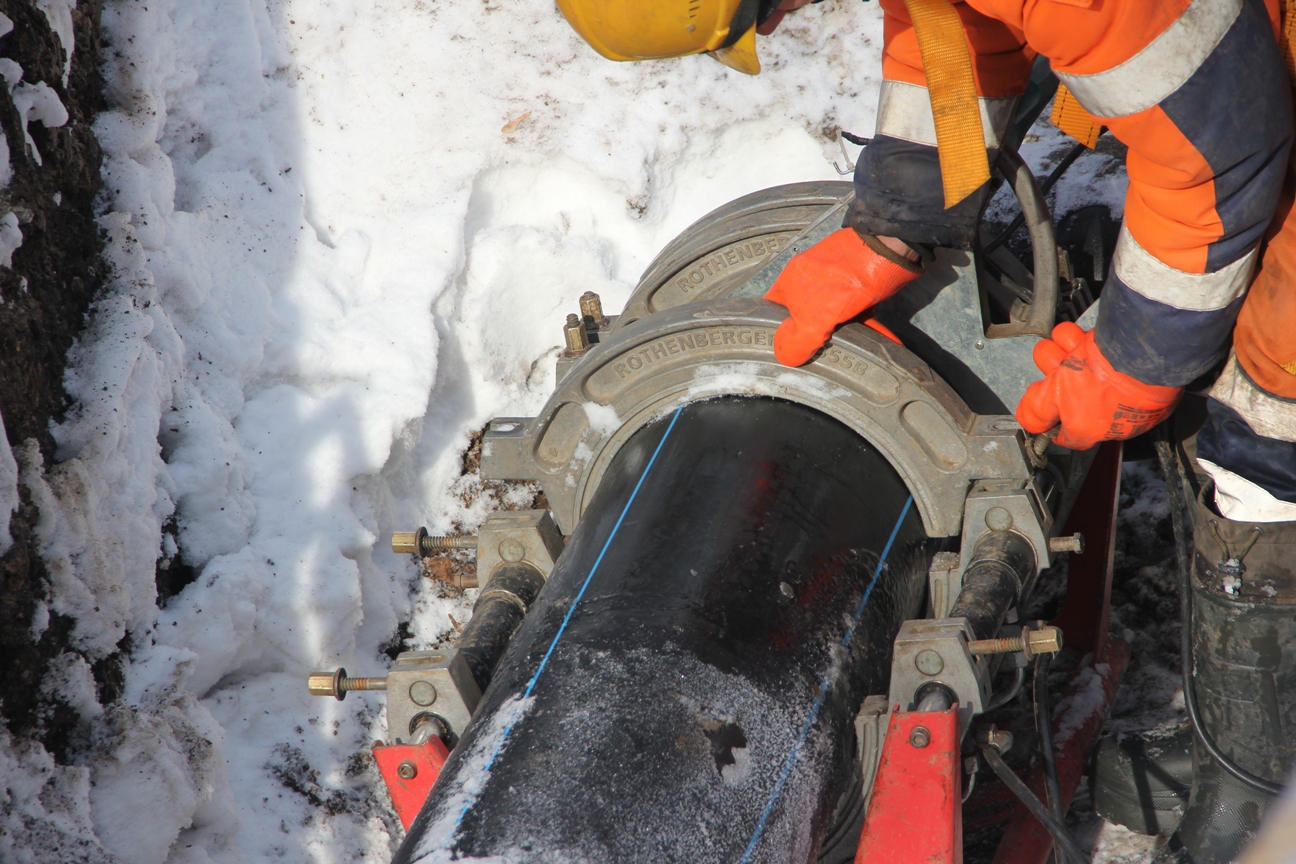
<point>43,304</point>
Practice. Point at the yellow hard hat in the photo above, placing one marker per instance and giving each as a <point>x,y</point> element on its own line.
<point>652,29</point>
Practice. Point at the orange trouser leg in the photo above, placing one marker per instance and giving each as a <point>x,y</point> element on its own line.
<point>1265,336</point>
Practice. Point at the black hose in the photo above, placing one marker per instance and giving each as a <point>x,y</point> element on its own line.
<point>1044,729</point>
<point>1061,838</point>
<point>1072,155</point>
<point>1001,699</point>
<point>1183,552</point>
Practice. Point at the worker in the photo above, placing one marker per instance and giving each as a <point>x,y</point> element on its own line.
<point>1202,293</point>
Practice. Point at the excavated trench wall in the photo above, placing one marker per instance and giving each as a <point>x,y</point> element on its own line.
<point>45,293</point>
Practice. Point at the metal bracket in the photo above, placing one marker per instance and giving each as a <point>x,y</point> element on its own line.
<point>429,682</point>
<point>695,351</point>
<point>409,770</point>
<point>996,505</point>
<point>914,814</point>
<point>942,582</point>
<point>870,735</point>
<point>517,536</point>
<point>935,652</point>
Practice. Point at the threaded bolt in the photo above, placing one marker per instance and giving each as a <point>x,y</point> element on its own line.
<point>432,543</point>
<point>1006,645</point>
<point>919,737</point>
<point>574,333</point>
<point>337,684</point>
<point>591,308</point>
<point>1041,640</point>
<point>424,544</point>
<point>407,770</point>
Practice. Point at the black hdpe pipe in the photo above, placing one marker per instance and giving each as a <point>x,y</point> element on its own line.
<point>685,685</point>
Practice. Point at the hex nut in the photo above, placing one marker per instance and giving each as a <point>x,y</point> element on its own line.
<point>407,542</point>
<point>423,693</point>
<point>919,737</point>
<point>407,770</point>
<point>1045,640</point>
<point>929,662</point>
<point>327,684</point>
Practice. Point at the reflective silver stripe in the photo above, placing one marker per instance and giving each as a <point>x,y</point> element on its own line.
<point>1268,415</point>
<point>904,111</point>
<point>1159,69</point>
<point>1198,292</point>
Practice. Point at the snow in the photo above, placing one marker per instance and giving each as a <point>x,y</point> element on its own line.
<point>8,488</point>
<point>39,103</point>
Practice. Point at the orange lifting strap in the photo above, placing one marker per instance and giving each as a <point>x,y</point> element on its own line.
<point>1071,117</point>
<point>960,141</point>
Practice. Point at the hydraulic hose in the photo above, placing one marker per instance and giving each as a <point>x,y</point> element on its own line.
<point>1044,731</point>
<point>1170,467</point>
<point>1061,837</point>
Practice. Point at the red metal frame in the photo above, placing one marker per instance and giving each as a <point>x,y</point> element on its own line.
<point>1084,623</point>
<point>914,814</point>
<point>423,761</point>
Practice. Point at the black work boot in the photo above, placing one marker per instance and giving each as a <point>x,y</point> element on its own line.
<point>1244,647</point>
<point>1142,780</point>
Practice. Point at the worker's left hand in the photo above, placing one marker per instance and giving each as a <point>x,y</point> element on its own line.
<point>1091,400</point>
<point>829,284</point>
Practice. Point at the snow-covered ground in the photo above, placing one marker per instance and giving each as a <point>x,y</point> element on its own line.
<point>344,235</point>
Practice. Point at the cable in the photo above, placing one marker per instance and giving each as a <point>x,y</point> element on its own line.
<point>1072,155</point>
<point>1183,553</point>
<point>1001,699</point>
<point>1044,729</point>
<point>1060,836</point>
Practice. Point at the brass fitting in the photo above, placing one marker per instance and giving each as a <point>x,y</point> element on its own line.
<point>574,333</point>
<point>591,308</point>
<point>423,544</point>
<point>1042,640</point>
<point>337,684</point>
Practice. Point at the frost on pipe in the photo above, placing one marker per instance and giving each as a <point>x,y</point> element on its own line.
<point>697,703</point>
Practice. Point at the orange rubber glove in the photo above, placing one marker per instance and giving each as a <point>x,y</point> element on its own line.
<point>829,284</point>
<point>1092,401</point>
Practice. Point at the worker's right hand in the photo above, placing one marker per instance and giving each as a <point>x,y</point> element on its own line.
<point>829,284</point>
<point>1083,394</point>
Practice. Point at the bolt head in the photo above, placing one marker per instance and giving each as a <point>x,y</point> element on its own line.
<point>422,693</point>
<point>327,684</point>
<point>1046,640</point>
<point>407,770</point>
<point>929,662</point>
<point>405,542</point>
<point>998,519</point>
<point>919,737</point>
<point>511,550</point>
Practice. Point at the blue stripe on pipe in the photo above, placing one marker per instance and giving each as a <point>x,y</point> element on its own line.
<point>823,691</point>
<point>499,746</point>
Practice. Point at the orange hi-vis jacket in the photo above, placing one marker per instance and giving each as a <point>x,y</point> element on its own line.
<point>1199,92</point>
